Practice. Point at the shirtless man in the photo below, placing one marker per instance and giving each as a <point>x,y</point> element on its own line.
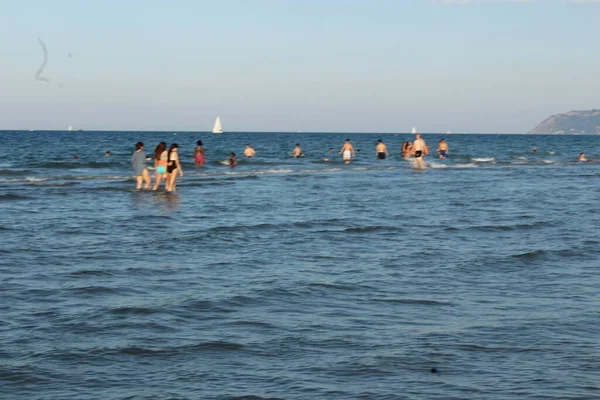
<point>381,150</point>
<point>582,157</point>
<point>442,148</point>
<point>420,149</point>
<point>297,151</point>
<point>347,151</point>
<point>249,152</point>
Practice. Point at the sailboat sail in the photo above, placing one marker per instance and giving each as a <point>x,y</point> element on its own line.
<point>414,130</point>
<point>70,128</point>
<point>218,128</point>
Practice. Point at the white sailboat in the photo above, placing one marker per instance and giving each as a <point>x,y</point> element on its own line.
<point>70,128</point>
<point>217,128</point>
<point>414,131</point>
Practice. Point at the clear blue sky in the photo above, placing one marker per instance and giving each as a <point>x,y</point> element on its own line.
<point>298,65</point>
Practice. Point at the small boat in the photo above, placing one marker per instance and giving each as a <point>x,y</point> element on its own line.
<point>70,128</point>
<point>217,128</point>
<point>414,131</point>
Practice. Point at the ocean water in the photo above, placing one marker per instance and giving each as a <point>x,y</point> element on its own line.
<point>300,278</point>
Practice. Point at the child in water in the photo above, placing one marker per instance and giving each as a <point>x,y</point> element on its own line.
<point>199,154</point>
<point>232,160</point>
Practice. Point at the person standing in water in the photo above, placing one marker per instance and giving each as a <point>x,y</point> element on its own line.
<point>406,149</point>
<point>160,164</point>
<point>249,151</point>
<point>420,150</point>
<point>442,148</point>
<point>139,168</point>
<point>199,154</point>
<point>347,151</point>
<point>173,166</point>
<point>297,151</point>
<point>232,160</point>
<point>381,150</point>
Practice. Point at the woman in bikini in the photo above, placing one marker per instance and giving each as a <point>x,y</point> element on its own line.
<point>173,167</point>
<point>160,163</point>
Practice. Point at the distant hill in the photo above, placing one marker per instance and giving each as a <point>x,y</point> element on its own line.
<point>571,123</point>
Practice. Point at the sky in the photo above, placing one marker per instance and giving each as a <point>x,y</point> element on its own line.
<point>476,66</point>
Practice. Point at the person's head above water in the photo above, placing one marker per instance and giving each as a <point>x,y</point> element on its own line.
<point>418,136</point>
<point>379,141</point>
<point>199,143</point>
<point>139,145</point>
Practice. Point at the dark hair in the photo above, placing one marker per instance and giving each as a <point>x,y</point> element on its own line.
<point>379,141</point>
<point>297,144</point>
<point>162,146</point>
<point>232,154</point>
<point>347,140</point>
<point>139,145</point>
<point>199,143</point>
<point>173,146</point>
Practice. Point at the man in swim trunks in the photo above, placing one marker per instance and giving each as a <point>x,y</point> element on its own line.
<point>347,151</point>
<point>381,150</point>
<point>442,148</point>
<point>249,152</point>
<point>420,150</point>
<point>138,160</point>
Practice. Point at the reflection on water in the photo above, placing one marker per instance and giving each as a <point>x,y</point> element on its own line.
<point>166,201</point>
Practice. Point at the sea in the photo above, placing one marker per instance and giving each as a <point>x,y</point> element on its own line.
<point>300,278</point>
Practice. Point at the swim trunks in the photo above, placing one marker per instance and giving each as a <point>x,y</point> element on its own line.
<point>381,156</point>
<point>443,153</point>
<point>347,155</point>
<point>418,154</point>
<point>160,170</point>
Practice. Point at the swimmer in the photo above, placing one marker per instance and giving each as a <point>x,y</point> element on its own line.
<point>381,150</point>
<point>199,154</point>
<point>107,154</point>
<point>582,157</point>
<point>330,150</point>
<point>160,164</point>
<point>442,148</point>
<point>173,166</point>
<point>347,152</point>
<point>533,149</point>
<point>232,160</point>
<point>249,151</point>
<point>406,149</point>
<point>139,168</point>
<point>420,151</point>
<point>297,151</point>
<point>75,157</point>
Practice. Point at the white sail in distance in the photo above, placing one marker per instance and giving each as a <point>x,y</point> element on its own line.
<point>218,128</point>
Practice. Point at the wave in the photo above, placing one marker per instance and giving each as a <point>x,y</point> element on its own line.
<point>483,159</point>
<point>9,197</point>
<point>14,172</point>
<point>73,165</point>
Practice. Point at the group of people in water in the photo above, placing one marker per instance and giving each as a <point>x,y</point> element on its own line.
<point>167,165</point>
